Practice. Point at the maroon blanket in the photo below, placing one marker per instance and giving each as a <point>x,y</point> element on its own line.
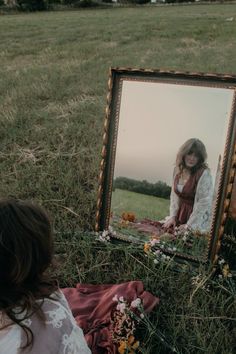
<point>92,307</point>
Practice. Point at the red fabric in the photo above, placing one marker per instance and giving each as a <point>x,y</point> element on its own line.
<point>92,307</point>
<point>186,197</point>
<point>149,226</point>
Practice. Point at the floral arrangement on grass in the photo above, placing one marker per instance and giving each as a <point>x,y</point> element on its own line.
<point>126,317</point>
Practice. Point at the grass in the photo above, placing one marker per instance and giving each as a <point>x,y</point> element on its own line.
<point>196,312</point>
<point>54,71</point>
<point>143,206</point>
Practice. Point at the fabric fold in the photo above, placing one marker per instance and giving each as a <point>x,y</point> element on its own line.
<point>92,307</point>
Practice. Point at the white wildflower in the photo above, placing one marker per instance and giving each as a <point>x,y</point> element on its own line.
<point>115,298</point>
<point>121,307</point>
<point>136,303</point>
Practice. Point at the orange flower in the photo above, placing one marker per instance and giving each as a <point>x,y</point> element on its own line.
<point>128,216</point>
<point>131,340</point>
<point>122,348</point>
<point>146,247</point>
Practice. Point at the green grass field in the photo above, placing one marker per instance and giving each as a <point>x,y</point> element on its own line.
<point>53,85</point>
<point>54,71</point>
<point>143,206</point>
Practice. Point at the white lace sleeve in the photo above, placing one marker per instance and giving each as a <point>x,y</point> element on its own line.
<point>73,340</point>
<point>174,200</point>
<point>200,219</point>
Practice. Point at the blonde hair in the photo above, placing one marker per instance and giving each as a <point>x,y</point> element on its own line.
<point>195,146</point>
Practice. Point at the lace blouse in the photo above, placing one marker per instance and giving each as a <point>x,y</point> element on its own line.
<point>200,218</point>
<point>60,334</point>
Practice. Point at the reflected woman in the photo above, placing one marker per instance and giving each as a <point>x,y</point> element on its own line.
<point>192,189</point>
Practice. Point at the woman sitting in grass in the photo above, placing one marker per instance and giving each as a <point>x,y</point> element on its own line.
<point>34,314</point>
<point>192,190</point>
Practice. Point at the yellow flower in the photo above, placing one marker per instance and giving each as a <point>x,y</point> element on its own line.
<point>146,247</point>
<point>135,345</point>
<point>122,348</point>
<point>225,270</point>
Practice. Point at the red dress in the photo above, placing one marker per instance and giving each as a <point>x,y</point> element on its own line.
<point>186,197</point>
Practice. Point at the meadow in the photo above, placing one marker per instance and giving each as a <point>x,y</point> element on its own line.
<point>53,85</point>
<point>143,206</point>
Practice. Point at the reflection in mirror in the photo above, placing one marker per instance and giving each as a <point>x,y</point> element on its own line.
<point>170,145</point>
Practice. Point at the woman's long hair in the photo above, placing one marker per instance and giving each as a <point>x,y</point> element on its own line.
<point>195,146</point>
<point>26,251</point>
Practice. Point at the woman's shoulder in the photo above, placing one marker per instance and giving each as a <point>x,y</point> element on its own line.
<point>63,333</point>
<point>206,172</point>
<point>56,310</point>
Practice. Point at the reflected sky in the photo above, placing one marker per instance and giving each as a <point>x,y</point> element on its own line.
<point>157,118</point>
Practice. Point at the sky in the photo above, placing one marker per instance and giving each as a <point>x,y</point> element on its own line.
<point>155,119</point>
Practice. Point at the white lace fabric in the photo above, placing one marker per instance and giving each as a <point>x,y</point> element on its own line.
<point>60,334</point>
<point>200,218</point>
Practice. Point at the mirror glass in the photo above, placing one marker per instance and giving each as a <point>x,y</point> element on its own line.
<point>155,119</point>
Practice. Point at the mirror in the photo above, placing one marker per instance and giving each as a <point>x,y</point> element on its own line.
<point>168,160</point>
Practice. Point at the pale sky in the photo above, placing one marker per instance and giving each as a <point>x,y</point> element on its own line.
<point>157,118</point>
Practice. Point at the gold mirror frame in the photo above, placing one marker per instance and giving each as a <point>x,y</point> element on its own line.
<point>116,76</point>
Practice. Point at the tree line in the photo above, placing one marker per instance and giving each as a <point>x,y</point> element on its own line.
<point>39,5</point>
<point>158,189</point>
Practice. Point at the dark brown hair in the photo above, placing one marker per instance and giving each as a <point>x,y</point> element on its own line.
<point>26,251</point>
<point>195,146</point>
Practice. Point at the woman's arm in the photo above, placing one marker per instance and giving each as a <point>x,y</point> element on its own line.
<point>201,215</point>
<point>174,207</point>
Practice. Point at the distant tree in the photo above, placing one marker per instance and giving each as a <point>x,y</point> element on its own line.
<point>32,5</point>
<point>69,2</point>
<point>158,189</point>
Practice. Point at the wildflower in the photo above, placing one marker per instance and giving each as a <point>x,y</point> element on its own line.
<point>141,315</point>
<point>154,241</point>
<point>225,270</point>
<point>136,303</point>
<point>121,307</point>
<point>221,261</point>
<point>146,247</point>
<point>135,345</point>
<point>128,216</point>
<point>156,261</point>
<point>131,340</point>
<point>115,298</point>
<point>122,347</point>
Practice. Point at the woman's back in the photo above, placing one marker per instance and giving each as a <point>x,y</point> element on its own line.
<point>58,333</point>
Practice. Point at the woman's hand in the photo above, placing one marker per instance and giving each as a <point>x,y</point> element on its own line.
<point>169,223</point>
<point>183,227</point>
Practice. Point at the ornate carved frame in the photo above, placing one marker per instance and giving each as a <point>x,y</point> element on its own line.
<point>116,76</point>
